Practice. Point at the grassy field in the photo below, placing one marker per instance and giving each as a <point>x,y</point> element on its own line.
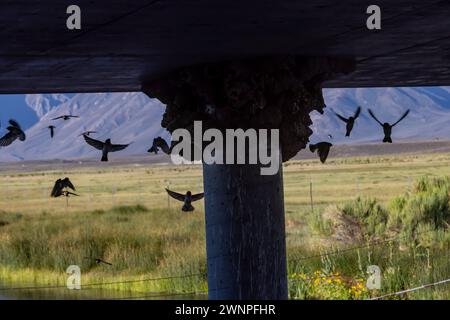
<point>124,216</point>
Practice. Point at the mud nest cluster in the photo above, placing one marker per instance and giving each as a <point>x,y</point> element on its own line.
<point>262,93</point>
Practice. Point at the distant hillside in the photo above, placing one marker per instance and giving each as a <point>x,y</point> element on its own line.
<point>124,117</point>
<point>135,118</point>
<point>428,120</point>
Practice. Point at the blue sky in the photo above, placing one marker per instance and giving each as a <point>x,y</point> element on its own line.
<point>13,106</point>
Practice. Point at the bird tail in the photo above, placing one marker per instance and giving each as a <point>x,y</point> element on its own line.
<point>313,147</point>
<point>105,156</point>
<point>347,134</point>
<point>387,139</point>
<point>187,207</point>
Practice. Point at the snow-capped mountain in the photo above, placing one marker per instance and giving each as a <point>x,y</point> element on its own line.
<point>124,117</point>
<point>44,103</point>
<point>428,119</point>
<point>134,118</point>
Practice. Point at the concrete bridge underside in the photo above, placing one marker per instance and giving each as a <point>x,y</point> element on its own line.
<point>125,43</point>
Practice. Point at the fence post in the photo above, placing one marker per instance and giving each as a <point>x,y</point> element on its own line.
<point>357,186</point>
<point>168,197</point>
<point>311,194</point>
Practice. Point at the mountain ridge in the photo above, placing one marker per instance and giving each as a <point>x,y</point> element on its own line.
<point>135,118</point>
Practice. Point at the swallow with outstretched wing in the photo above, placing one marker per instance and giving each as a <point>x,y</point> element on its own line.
<point>350,121</point>
<point>99,261</point>
<point>105,147</point>
<point>322,148</point>
<point>187,198</point>
<point>87,133</point>
<point>60,186</point>
<point>159,143</point>
<point>65,117</point>
<point>387,127</point>
<point>14,132</point>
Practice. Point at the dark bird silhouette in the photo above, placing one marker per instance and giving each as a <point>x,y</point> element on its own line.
<point>14,132</point>
<point>60,187</point>
<point>323,148</point>
<point>350,121</point>
<point>99,261</point>
<point>387,128</point>
<point>159,143</point>
<point>87,133</point>
<point>185,198</point>
<point>65,117</point>
<point>105,147</point>
<point>52,131</point>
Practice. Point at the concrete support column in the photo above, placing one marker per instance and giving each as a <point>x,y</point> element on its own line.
<point>245,233</point>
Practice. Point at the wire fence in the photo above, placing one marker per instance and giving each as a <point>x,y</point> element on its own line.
<point>163,295</point>
<point>105,283</point>
<point>424,286</point>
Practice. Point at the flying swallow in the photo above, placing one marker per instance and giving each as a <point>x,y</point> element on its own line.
<point>161,144</point>
<point>105,147</point>
<point>350,121</point>
<point>65,117</point>
<point>99,261</point>
<point>185,198</point>
<point>387,128</point>
<point>87,133</point>
<point>14,132</point>
<point>52,131</point>
<point>323,148</point>
<point>60,186</point>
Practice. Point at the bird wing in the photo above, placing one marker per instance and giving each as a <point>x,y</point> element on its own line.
<point>118,147</point>
<point>375,118</point>
<point>160,142</point>
<point>70,116</point>
<point>21,135</point>
<point>402,117</point>
<point>323,152</point>
<point>7,139</point>
<point>60,117</point>
<point>358,111</point>
<point>340,117</point>
<point>153,149</point>
<point>14,123</point>
<point>197,196</point>
<point>68,184</point>
<point>94,143</point>
<point>176,195</point>
<point>57,188</point>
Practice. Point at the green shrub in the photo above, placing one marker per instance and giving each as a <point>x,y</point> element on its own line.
<point>427,204</point>
<point>369,213</point>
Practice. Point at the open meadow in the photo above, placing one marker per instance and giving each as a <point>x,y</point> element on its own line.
<point>389,210</point>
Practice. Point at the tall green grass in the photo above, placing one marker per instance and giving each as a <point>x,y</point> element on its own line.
<point>410,238</point>
<point>135,230</point>
<point>139,242</point>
